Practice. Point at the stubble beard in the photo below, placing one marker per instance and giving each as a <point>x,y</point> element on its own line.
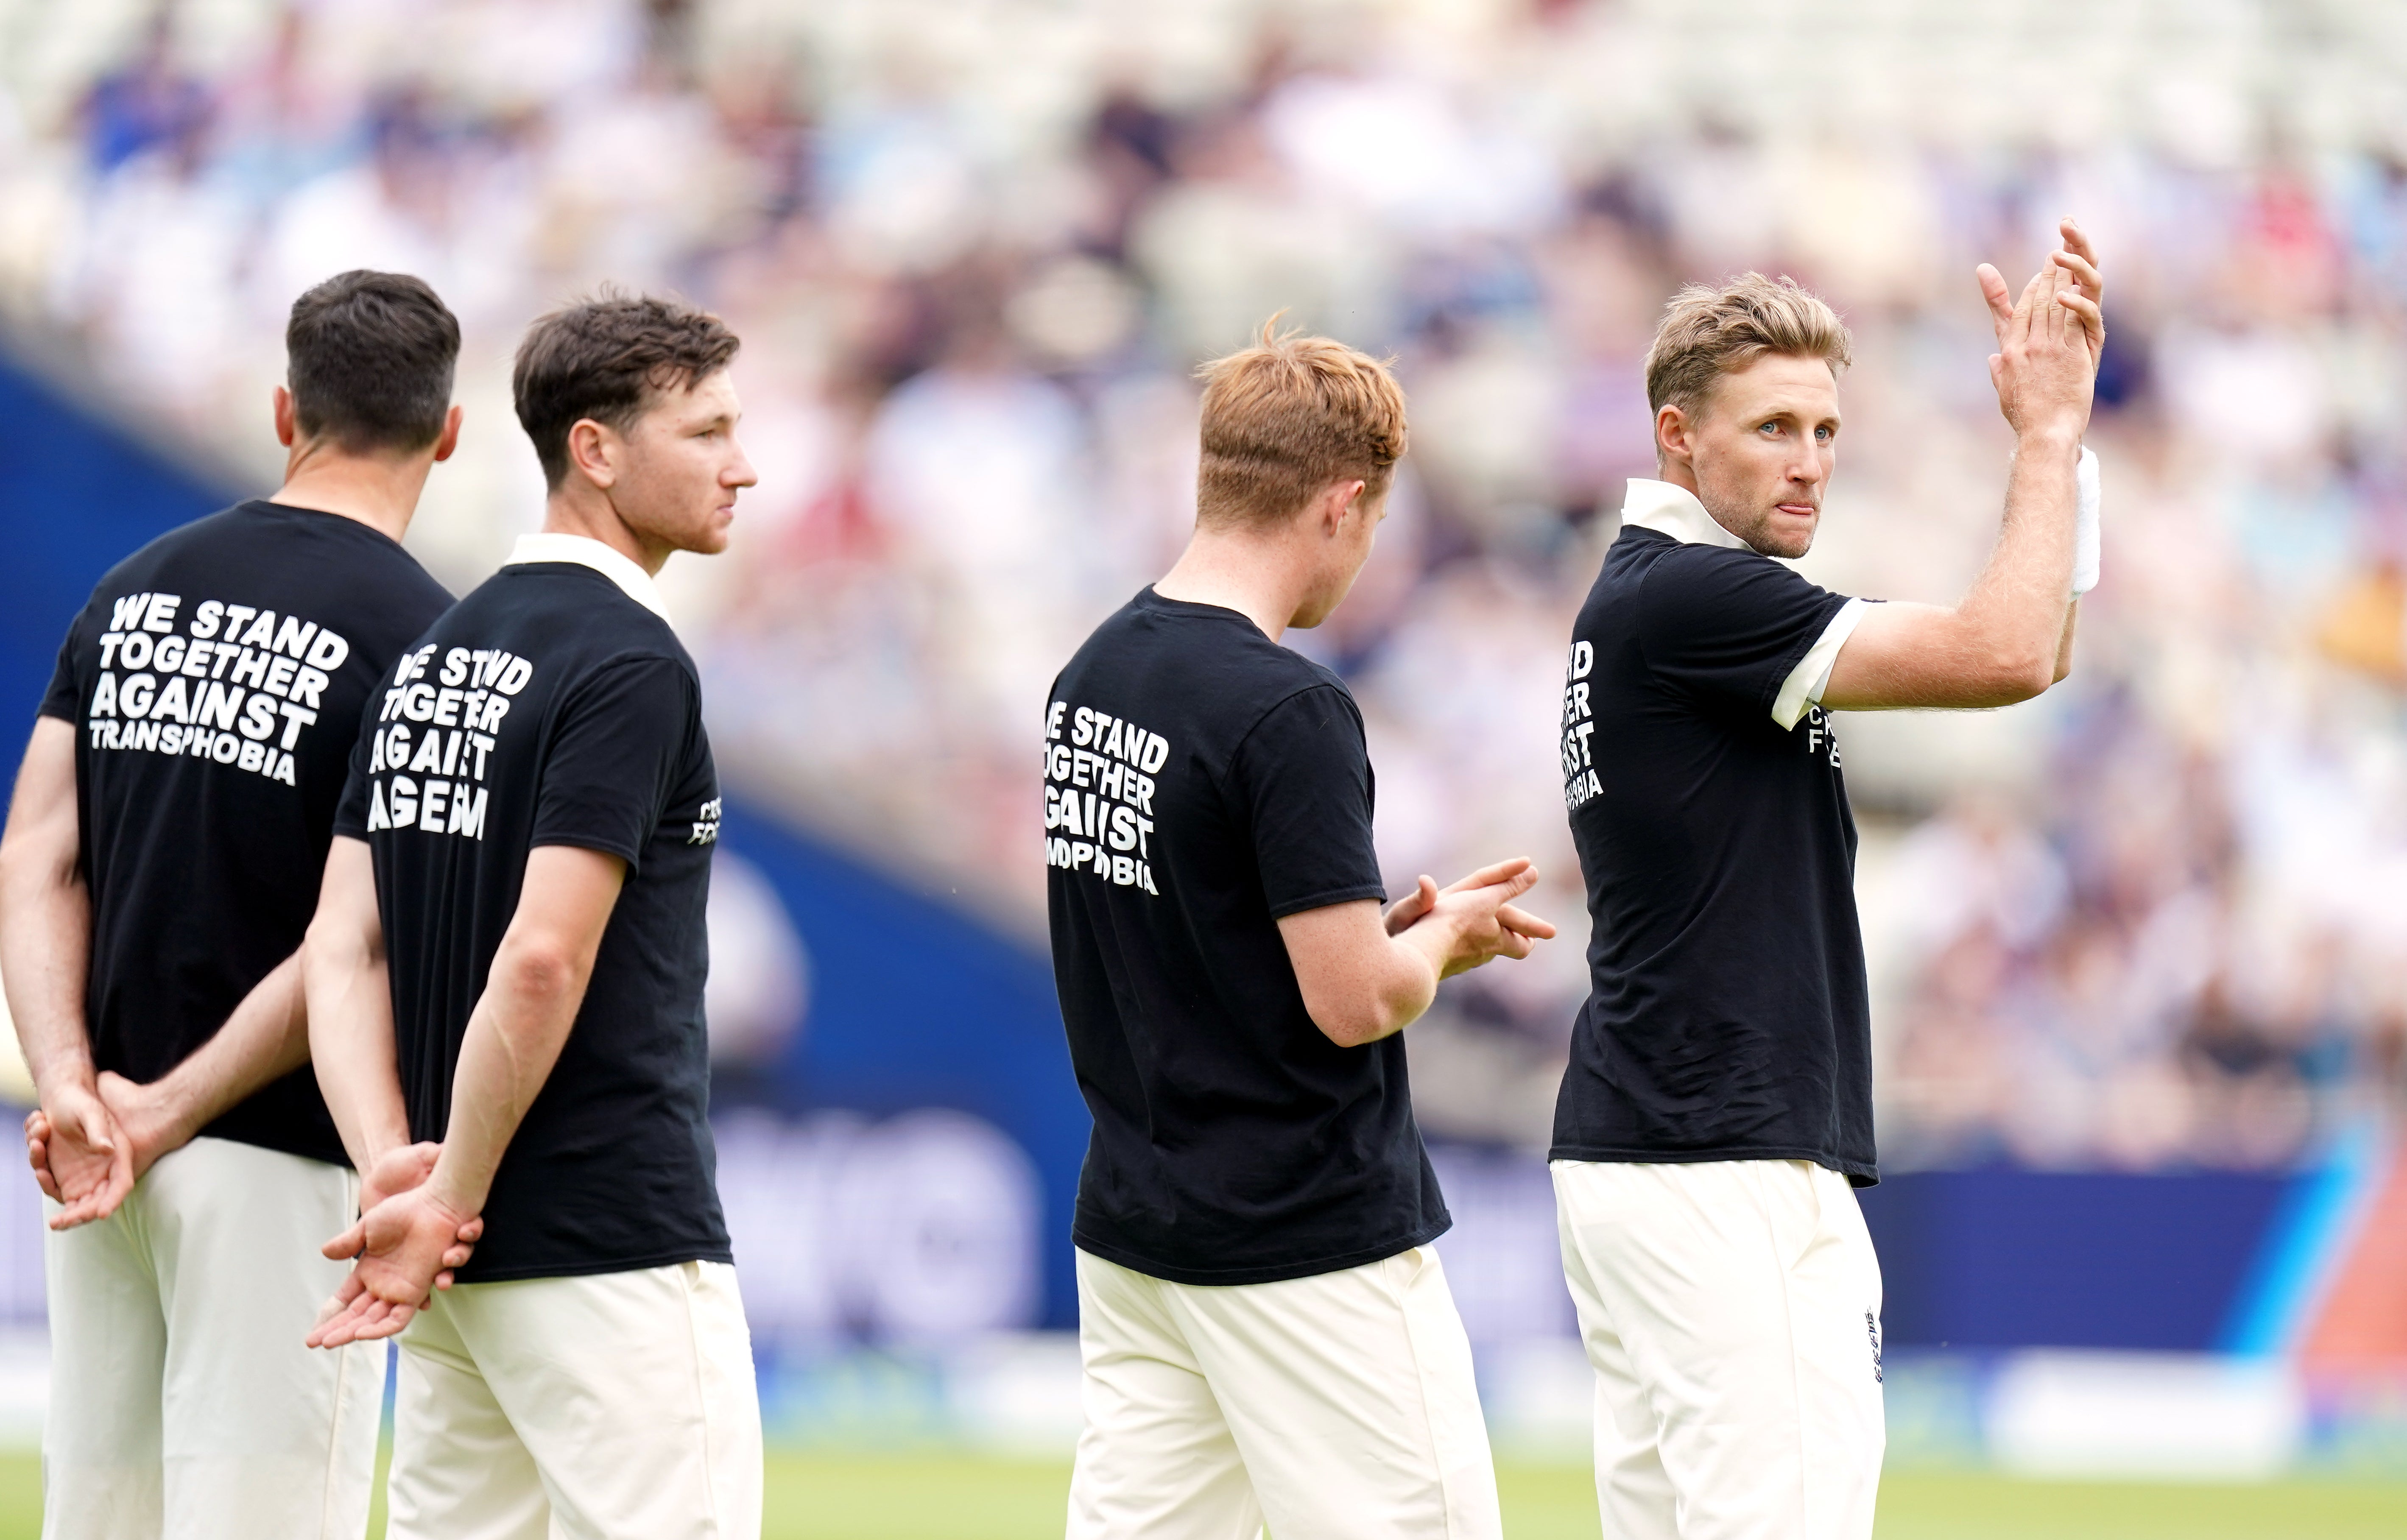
<point>1759,528</point>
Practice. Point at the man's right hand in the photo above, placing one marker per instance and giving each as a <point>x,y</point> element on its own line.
<point>2049,341</point>
<point>406,1248</point>
<point>80,1158</point>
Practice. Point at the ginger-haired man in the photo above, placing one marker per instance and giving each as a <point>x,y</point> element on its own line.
<point>1265,1330</point>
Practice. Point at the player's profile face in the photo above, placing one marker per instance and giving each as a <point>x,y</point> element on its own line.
<point>1764,449</point>
<point>684,467</point>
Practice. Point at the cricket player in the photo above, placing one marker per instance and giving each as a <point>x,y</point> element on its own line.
<point>509,956</point>
<point>1266,1329</point>
<point>159,870</point>
<point>1717,1113</point>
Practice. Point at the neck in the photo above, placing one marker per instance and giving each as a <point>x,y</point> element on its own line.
<point>1257,575</point>
<point>581,508</point>
<point>1679,474</point>
<point>378,491</point>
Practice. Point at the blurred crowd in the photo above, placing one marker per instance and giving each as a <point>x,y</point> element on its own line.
<point>975,248</point>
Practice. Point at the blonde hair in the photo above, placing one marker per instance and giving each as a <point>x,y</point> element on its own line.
<point>1286,416</point>
<point>1710,332</point>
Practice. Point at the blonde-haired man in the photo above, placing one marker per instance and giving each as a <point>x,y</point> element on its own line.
<point>1265,1330</point>
<point>1717,1106</point>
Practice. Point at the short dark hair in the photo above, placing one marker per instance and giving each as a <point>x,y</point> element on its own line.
<point>608,359</point>
<point>368,357</point>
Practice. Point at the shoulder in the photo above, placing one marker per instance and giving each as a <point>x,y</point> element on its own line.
<point>1314,703</point>
<point>638,675</point>
<point>147,562</point>
<point>397,601</point>
<point>1268,678</point>
<point>1704,581</point>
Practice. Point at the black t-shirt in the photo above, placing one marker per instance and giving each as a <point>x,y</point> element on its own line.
<point>1202,782</point>
<point>550,708</point>
<point>215,681</point>
<point>1727,1016</point>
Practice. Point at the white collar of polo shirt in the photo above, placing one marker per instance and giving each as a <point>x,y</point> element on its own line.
<point>1667,509</point>
<point>1673,511</point>
<point>586,552</point>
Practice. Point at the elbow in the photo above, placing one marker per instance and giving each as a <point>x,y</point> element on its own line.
<point>2019,679</point>
<point>540,971</point>
<point>333,950</point>
<point>1348,1026</point>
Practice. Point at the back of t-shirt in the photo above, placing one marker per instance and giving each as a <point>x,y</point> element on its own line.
<point>216,680</point>
<point>547,707</point>
<point>1203,783</point>
<point>1727,1015</point>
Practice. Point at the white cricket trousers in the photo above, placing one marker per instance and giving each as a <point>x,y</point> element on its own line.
<point>1732,1312</point>
<point>610,1407</point>
<point>1339,1408</point>
<point>183,1404</point>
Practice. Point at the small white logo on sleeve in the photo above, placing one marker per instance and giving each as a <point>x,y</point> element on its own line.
<point>706,827</point>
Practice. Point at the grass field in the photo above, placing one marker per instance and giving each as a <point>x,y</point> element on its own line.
<point>822,1497</point>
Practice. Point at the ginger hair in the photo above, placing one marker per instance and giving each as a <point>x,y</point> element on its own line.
<point>1286,416</point>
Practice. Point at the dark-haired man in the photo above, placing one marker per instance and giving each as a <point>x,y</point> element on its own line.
<point>514,911</point>
<point>158,873</point>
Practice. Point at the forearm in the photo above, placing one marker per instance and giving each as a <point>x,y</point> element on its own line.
<point>348,1022</point>
<point>2016,609</point>
<point>2064,643</point>
<point>513,1040</point>
<point>266,1038</point>
<point>1401,989</point>
<point>45,948</point>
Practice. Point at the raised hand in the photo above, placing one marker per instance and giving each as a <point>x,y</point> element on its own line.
<point>2045,366</point>
<point>404,1246</point>
<point>2079,259</point>
<point>80,1158</point>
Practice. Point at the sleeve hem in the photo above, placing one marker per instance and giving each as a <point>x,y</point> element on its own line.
<point>1327,900</point>
<point>635,859</point>
<point>1805,683</point>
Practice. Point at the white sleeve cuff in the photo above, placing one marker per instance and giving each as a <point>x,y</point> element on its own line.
<point>1812,675</point>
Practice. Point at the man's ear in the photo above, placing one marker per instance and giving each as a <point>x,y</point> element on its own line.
<point>593,452</point>
<point>1337,502</point>
<point>287,420</point>
<point>1672,434</point>
<point>450,439</point>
